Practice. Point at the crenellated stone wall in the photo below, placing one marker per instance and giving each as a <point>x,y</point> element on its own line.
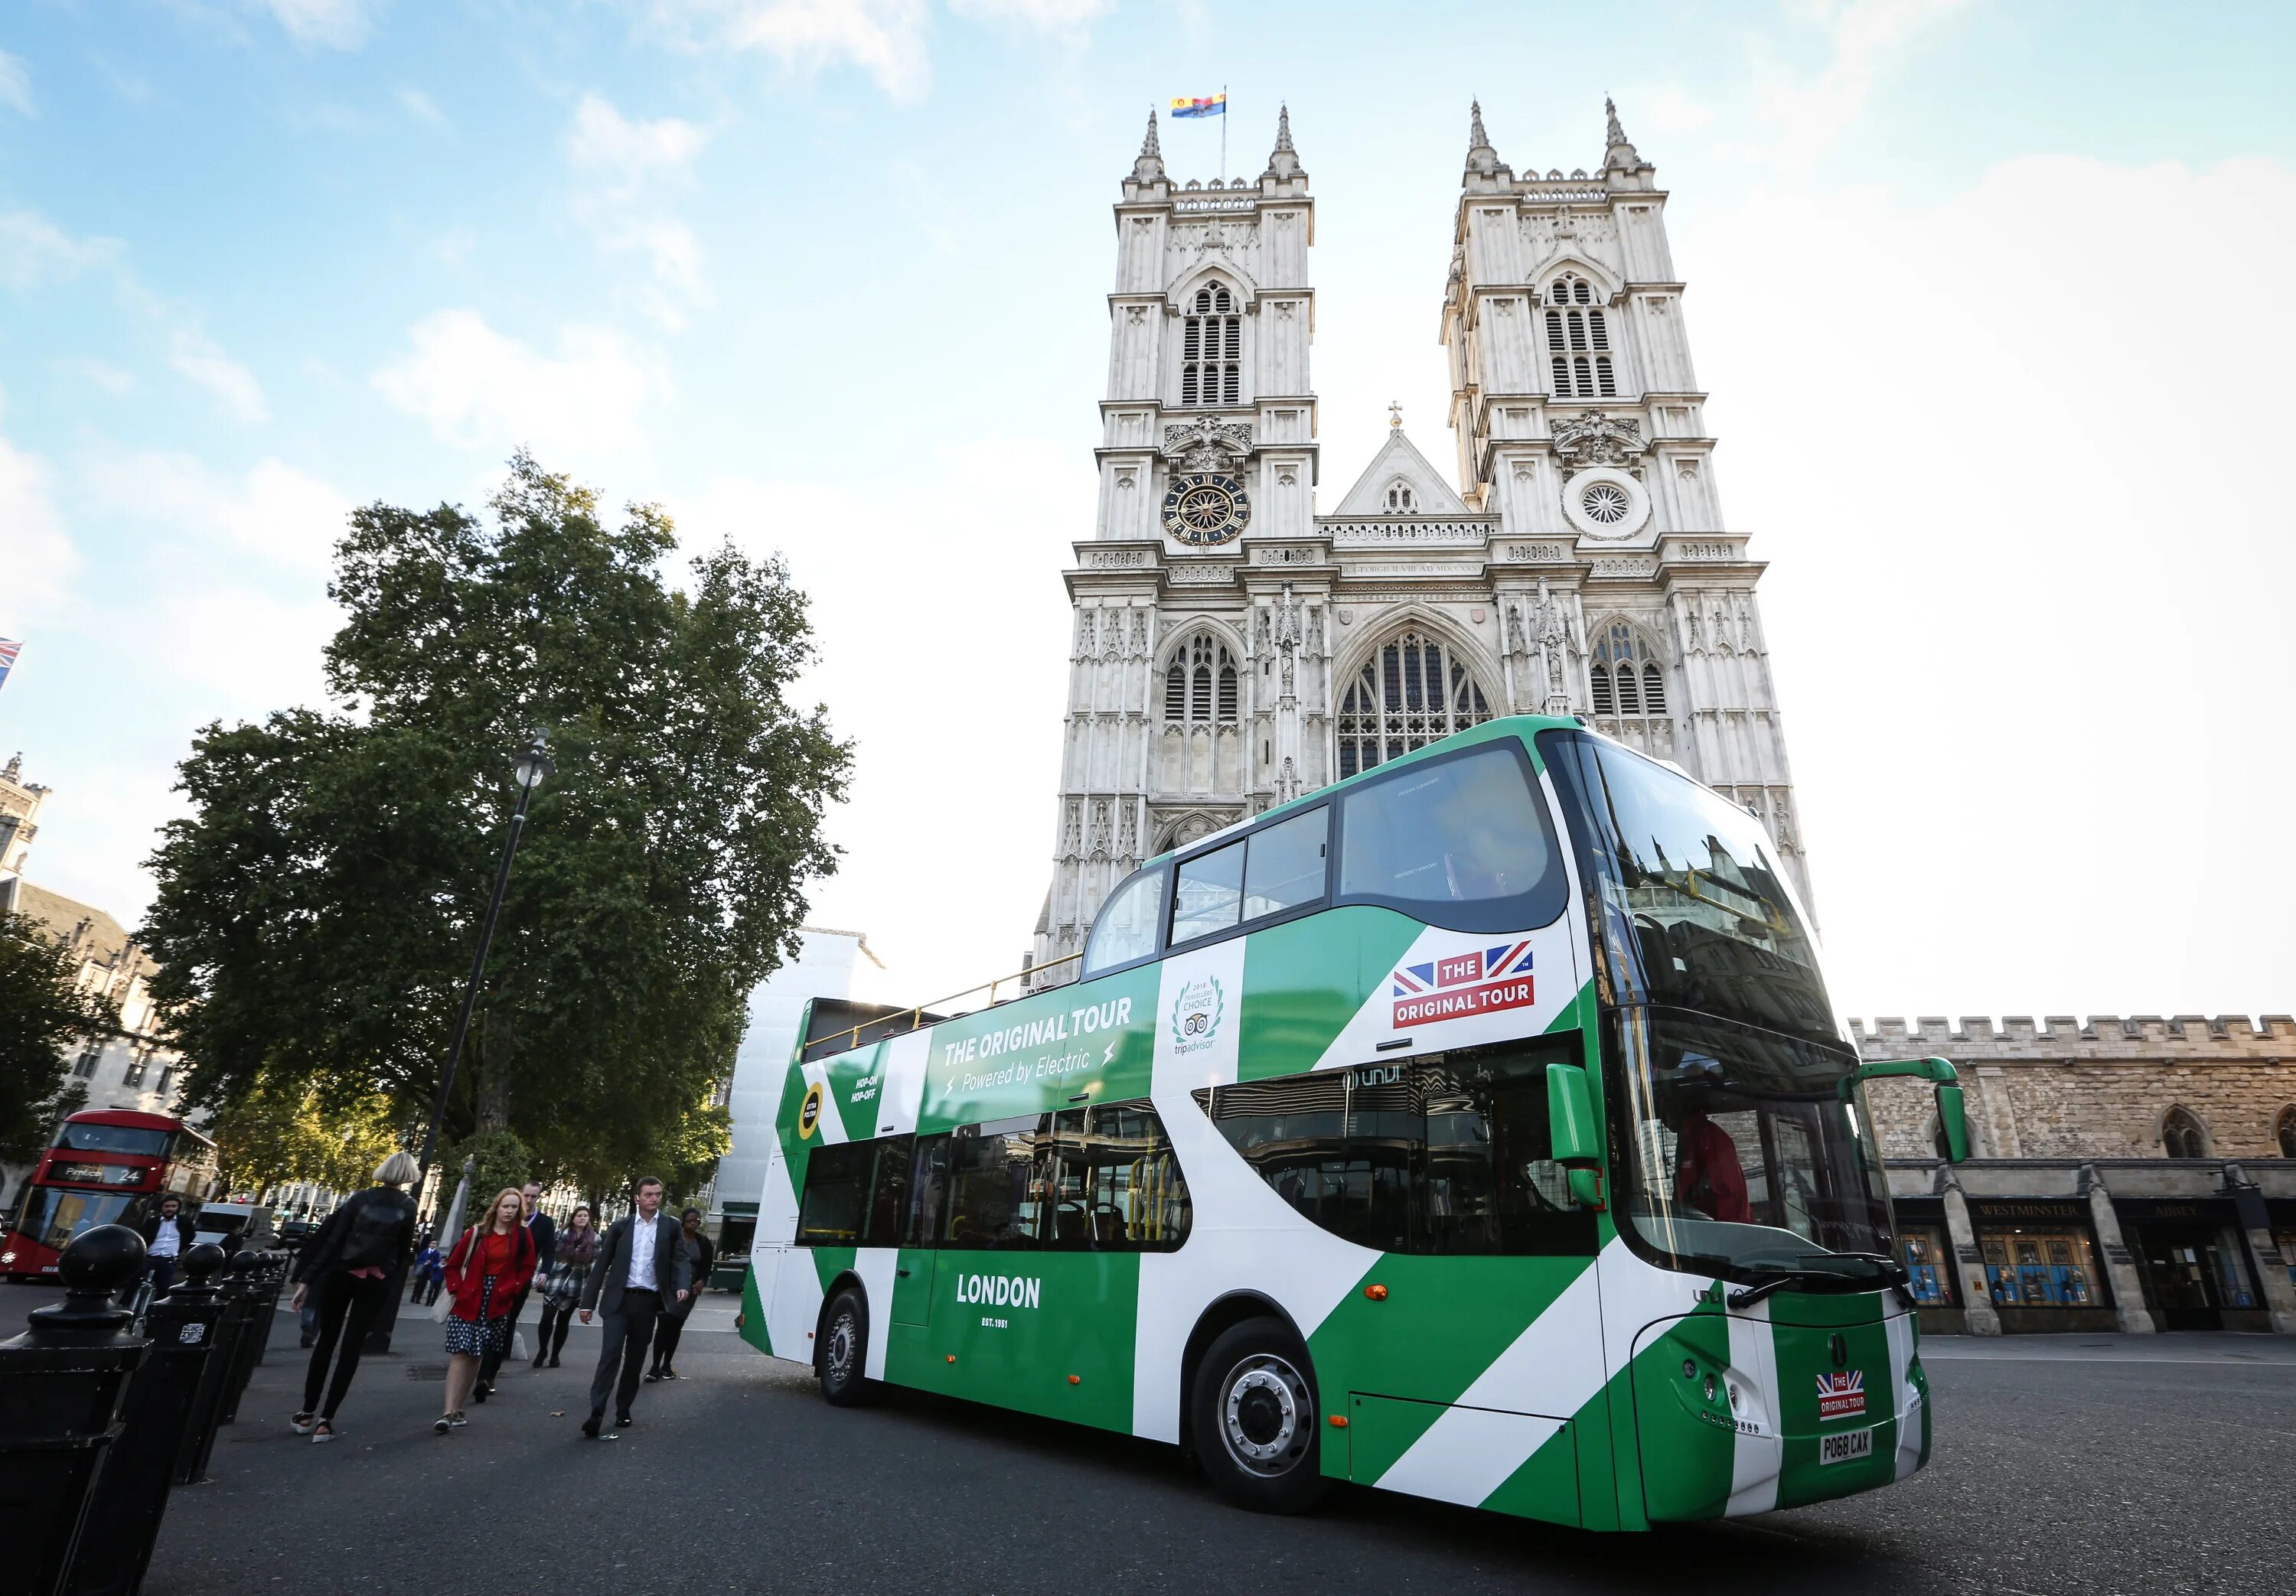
<point>2099,1088</point>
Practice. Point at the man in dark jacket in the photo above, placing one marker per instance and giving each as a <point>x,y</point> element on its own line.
<point>544,1232</point>
<point>167,1237</point>
<point>642,1268</point>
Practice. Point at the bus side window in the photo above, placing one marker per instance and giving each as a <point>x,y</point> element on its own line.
<point>928,1191</point>
<point>889,1191</point>
<point>994,1182</point>
<point>1490,1185</point>
<point>1126,929</point>
<point>836,1192</point>
<point>1116,1186</point>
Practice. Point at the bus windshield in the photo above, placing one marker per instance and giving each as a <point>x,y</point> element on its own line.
<point>80,1136</point>
<point>1749,1157</point>
<point>54,1215</point>
<point>1696,914</point>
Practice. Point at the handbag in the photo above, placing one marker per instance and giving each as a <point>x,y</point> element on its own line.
<point>443,1305</point>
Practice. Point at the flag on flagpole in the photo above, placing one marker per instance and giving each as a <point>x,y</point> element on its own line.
<point>1216,106</point>
<point>9,649</point>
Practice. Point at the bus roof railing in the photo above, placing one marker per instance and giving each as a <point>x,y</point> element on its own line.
<point>902,1022</point>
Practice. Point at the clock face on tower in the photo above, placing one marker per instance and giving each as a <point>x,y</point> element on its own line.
<point>1205,510</point>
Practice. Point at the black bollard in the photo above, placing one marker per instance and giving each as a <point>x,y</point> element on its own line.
<point>252,1279</point>
<point>208,1404</point>
<point>60,1384</point>
<point>131,1494</point>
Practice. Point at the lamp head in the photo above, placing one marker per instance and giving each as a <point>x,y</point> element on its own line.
<point>535,764</point>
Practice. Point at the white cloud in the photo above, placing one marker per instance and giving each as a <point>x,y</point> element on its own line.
<point>273,510</point>
<point>1807,113</point>
<point>40,559</point>
<point>117,380</point>
<point>197,357</point>
<point>2024,612</point>
<point>629,154</point>
<point>16,84</point>
<point>632,168</point>
<point>34,251</point>
<point>479,388</point>
<point>329,24</point>
<point>885,39</point>
<point>1045,16</point>
<point>421,107</point>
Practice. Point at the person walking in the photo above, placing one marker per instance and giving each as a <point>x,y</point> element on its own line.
<point>428,1269</point>
<point>673,1320</point>
<point>489,1264</point>
<point>167,1237</point>
<point>544,1232</point>
<point>348,1263</point>
<point>578,1250</point>
<point>642,1268</point>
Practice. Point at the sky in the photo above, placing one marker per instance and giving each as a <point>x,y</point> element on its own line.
<point>1991,301</point>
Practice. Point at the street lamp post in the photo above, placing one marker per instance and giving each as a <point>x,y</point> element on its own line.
<point>533,768</point>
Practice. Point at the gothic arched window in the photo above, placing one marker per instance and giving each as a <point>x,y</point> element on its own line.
<point>1211,350</point>
<point>1201,739</point>
<point>1200,685</point>
<point>1399,497</point>
<point>2285,1131</point>
<point>2182,1137</point>
<point>1626,681</point>
<point>1411,692</point>
<point>1579,340</point>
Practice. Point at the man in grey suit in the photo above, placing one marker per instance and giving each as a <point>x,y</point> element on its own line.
<point>642,1268</point>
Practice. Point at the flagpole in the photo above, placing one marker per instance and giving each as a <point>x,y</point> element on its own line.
<point>1223,132</point>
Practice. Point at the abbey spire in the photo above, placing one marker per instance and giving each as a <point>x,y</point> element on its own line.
<point>1150,164</point>
<point>1284,161</point>
<point>1622,155</point>
<point>1482,160</point>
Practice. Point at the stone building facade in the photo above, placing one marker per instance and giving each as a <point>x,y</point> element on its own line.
<point>1236,645</point>
<point>130,1069</point>
<point>2135,1173</point>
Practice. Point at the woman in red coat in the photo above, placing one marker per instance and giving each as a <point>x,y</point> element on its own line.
<point>489,1267</point>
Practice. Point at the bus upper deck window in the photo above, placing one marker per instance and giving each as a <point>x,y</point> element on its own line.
<point>1210,894</point>
<point>1455,842</point>
<point>1126,930</point>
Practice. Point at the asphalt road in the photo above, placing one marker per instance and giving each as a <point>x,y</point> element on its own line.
<point>2093,1464</point>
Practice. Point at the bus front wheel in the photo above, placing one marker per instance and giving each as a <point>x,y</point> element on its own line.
<point>1254,1416</point>
<point>844,1356</point>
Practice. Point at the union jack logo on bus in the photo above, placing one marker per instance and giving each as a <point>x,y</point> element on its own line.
<point>1479,981</point>
<point>1842,1394</point>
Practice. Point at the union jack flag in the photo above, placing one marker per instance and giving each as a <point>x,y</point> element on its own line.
<point>1490,965</point>
<point>9,649</point>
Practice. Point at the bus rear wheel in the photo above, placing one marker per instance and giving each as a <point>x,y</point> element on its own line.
<point>844,1356</point>
<point>1254,1416</point>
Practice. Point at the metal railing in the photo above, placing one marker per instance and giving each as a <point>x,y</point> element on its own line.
<point>903,1021</point>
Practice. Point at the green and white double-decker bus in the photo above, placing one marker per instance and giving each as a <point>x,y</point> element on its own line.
<point>1477,1128</point>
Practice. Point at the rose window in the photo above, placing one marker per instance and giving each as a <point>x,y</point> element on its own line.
<point>1606,502</point>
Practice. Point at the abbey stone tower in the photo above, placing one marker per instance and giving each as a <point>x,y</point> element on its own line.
<point>1235,647</point>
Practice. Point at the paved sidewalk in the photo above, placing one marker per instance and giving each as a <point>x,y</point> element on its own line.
<point>2176,1346</point>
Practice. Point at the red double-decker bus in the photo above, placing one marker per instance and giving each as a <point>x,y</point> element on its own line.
<point>108,1167</point>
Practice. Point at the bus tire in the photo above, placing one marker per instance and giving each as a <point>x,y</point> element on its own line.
<point>844,1356</point>
<point>1256,1420</point>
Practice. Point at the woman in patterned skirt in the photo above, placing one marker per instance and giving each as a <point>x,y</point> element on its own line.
<point>489,1267</point>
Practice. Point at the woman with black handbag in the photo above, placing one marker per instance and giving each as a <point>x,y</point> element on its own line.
<point>348,1265</point>
<point>561,1288</point>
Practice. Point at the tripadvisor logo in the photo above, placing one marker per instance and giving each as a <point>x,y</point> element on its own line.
<point>1196,1015</point>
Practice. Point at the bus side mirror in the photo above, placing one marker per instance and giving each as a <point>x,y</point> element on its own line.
<point>1576,1139</point>
<point>1953,1119</point>
<point>1953,1116</point>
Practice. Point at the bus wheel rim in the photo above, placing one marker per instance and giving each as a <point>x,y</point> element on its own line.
<point>1262,1415</point>
<point>840,1347</point>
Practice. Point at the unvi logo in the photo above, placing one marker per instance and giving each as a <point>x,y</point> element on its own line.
<point>1196,1016</point>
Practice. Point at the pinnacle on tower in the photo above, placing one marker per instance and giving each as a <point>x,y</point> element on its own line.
<point>1150,164</point>
<point>1621,156</point>
<point>1284,161</point>
<point>1480,156</point>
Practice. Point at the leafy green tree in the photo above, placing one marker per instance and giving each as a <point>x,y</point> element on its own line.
<point>286,1126</point>
<point>318,908</point>
<point>43,1014</point>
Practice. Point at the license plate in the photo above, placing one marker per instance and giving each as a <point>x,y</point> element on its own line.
<point>1841,1448</point>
